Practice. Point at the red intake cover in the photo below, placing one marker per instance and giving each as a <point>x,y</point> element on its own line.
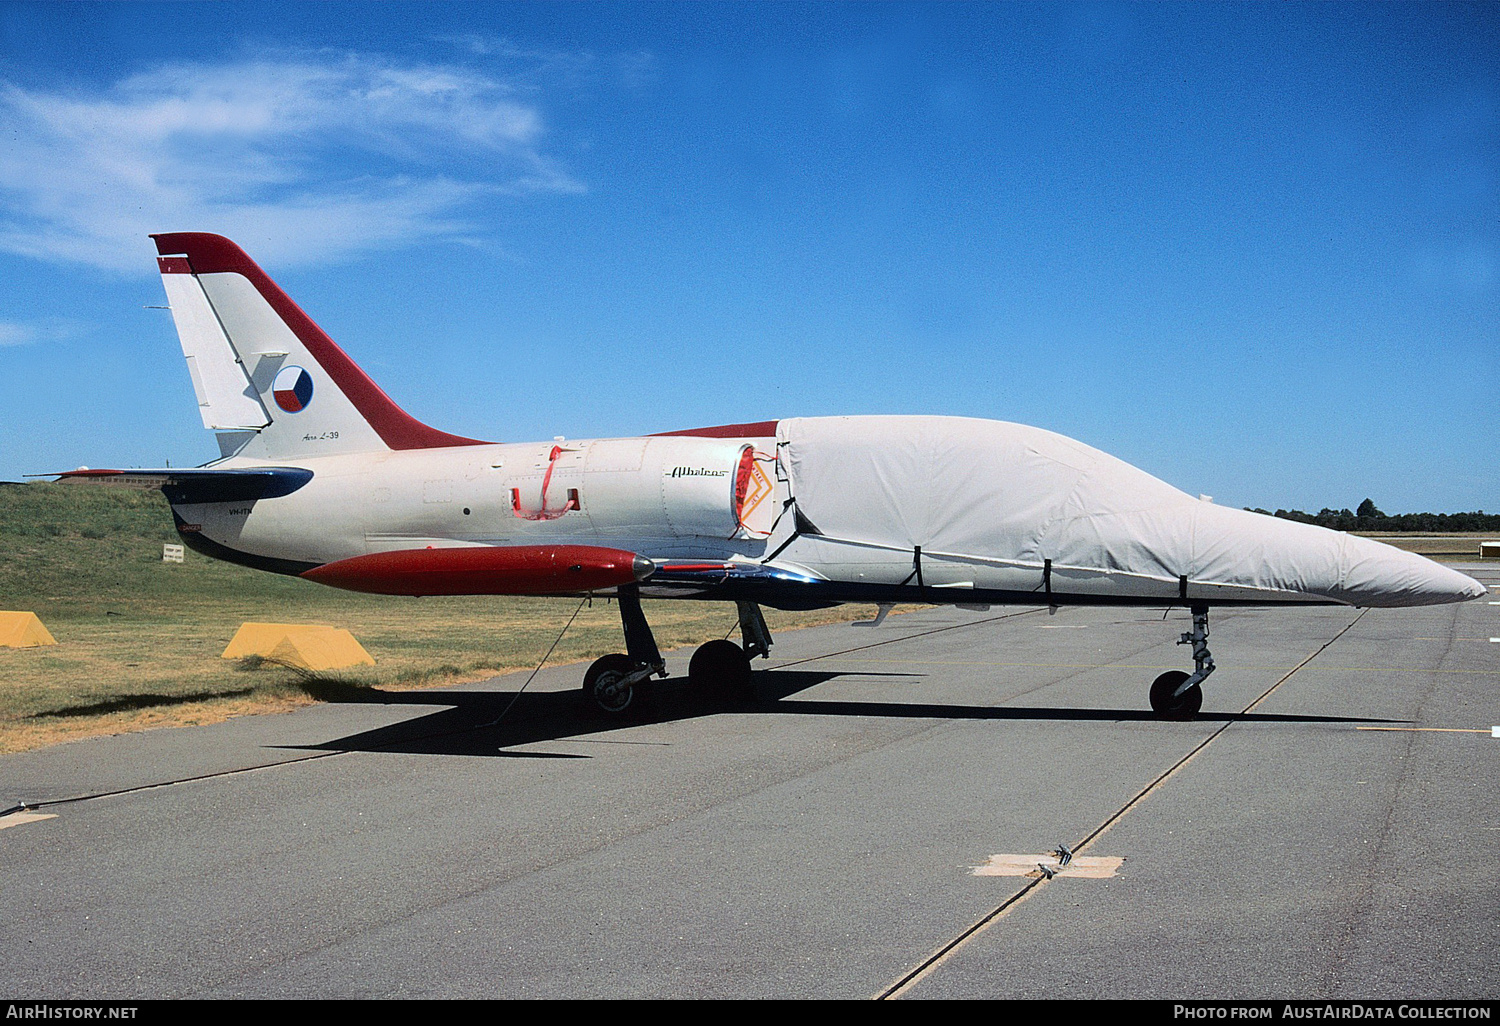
<point>486,570</point>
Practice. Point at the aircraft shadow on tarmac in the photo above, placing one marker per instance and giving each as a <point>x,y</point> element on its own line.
<point>490,723</point>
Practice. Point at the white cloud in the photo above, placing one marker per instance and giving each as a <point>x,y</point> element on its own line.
<point>14,333</point>
<point>310,156</point>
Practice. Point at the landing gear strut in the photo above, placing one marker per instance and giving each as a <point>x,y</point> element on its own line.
<point>1176,695</point>
<point>720,669</point>
<point>609,684</point>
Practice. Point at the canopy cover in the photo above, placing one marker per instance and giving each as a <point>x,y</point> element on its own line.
<point>1001,492</point>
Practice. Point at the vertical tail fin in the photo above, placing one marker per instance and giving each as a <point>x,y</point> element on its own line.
<point>268,378</point>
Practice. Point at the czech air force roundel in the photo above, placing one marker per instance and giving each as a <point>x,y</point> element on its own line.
<point>292,389</point>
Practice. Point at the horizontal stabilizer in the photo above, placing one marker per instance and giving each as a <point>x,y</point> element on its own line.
<point>190,486</point>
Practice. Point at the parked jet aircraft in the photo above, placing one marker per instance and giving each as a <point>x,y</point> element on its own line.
<point>324,477</point>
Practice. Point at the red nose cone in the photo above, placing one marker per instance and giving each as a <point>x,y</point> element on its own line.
<point>486,570</point>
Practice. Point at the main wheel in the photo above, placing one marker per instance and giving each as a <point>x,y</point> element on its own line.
<point>604,689</point>
<point>720,668</point>
<point>1184,706</point>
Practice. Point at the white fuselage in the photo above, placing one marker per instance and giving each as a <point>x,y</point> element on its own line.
<point>928,509</point>
<point>666,496</point>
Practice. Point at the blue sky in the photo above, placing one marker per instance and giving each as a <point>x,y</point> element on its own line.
<point>1252,249</point>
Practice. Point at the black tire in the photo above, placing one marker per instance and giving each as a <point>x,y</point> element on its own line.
<point>1185,706</point>
<point>722,669</point>
<point>602,692</point>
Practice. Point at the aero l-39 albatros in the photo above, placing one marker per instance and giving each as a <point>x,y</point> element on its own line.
<point>324,477</point>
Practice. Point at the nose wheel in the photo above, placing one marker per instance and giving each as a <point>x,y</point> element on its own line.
<point>1176,695</point>
<point>1171,704</point>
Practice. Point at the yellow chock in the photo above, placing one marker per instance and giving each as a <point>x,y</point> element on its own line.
<point>304,646</point>
<point>23,630</point>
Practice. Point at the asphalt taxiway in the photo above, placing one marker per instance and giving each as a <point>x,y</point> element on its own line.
<point>1328,827</point>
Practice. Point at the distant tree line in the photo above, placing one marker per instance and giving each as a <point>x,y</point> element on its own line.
<point>1368,518</point>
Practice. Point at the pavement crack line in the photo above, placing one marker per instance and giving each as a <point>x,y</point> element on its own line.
<point>949,949</point>
<point>563,859</point>
<point>1359,909</point>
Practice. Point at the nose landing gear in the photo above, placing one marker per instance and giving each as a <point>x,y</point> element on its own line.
<point>1176,695</point>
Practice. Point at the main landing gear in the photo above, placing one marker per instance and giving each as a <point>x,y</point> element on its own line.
<point>719,670</point>
<point>1176,695</point>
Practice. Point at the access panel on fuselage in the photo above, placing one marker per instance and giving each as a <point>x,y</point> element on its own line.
<point>635,486</point>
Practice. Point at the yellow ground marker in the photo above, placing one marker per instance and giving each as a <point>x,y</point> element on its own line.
<point>304,646</point>
<point>23,630</point>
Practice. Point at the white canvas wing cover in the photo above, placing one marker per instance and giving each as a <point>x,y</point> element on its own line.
<point>1001,493</point>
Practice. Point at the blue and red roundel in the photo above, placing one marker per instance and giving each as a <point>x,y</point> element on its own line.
<point>292,389</point>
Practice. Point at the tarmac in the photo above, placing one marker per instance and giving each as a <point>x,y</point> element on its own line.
<point>1327,828</point>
